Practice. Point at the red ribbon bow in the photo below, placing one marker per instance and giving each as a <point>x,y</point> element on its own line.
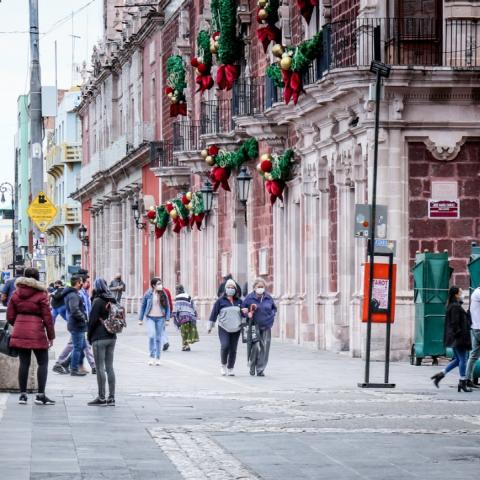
<point>204,82</point>
<point>159,232</point>
<point>226,76</point>
<point>220,176</point>
<point>306,8</point>
<point>197,220</point>
<point>268,34</point>
<point>293,86</point>
<point>275,189</point>
<point>178,109</point>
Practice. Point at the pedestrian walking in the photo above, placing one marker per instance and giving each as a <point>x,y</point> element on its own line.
<point>475,333</point>
<point>227,314</point>
<point>260,310</point>
<point>457,336</point>
<point>117,287</point>
<point>165,342</point>
<point>33,331</point>
<point>76,323</point>
<point>155,310</point>
<point>103,342</point>
<point>185,318</point>
<point>87,352</point>
<point>57,301</point>
<point>221,287</point>
<point>9,287</point>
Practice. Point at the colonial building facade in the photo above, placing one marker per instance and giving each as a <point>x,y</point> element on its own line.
<point>136,155</point>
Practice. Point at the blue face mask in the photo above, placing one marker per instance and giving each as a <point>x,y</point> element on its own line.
<point>230,292</point>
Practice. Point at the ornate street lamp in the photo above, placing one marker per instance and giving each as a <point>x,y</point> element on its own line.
<point>207,196</point>
<point>243,181</point>
<point>82,235</point>
<point>136,216</point>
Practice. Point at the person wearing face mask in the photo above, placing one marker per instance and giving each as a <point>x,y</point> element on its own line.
<point>156,311</point>
<point>260,310</point>
<point>226,313</point>
<point>457,336</point>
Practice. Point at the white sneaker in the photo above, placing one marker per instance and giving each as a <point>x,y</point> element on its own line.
<point>158,363</point>
<point>230,372</point>
<point>140,322</point>
<point>151,362</point>
<point>223,370</point>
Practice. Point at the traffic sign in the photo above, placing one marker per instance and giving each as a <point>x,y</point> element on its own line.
<point>42,211</point>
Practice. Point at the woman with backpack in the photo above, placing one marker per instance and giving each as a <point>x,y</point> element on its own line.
<point>185,318</point>
<point>226,313</point>
<point>33,331</point>
<point>103,342</point>
<point>155,309</point>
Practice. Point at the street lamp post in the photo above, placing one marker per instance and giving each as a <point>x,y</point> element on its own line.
<point>4,188</point>
<point>83,236</point>
<point>243,188</point>
<point>136,216</point>
<point>207,196</point>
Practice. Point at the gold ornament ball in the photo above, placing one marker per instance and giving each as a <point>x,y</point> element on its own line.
<point>170,95</point>
<point>259,168</point>
<point>286,63</point>
<point>204,153</point>
<point>262,3</point>
<point>217,44</point>
<point>262,14</point>
<point>268,176</point>
<point>174,99</point>
<point>277,50</point>
<point>210,160</point>
<point>266,156</point>
<point>173,214</point>
<point>213,49</point>
<point>189,195</point>
<point>189,206</point>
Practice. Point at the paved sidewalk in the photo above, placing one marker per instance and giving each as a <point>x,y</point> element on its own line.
<point>305,420</point>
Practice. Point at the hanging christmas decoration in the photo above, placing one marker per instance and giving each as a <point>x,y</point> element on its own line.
<point>203,63</point>
<point>224,162</point>
<point>224,42</point>
<point>197,210</point>
<point>176,85</point>
<point>276,170</point>
<point>267,16</point>
<point>306,8</point>
<point>292,64</point>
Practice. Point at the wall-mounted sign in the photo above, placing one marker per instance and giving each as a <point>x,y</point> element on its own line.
<point>362,221</point>
<point>444,208</point>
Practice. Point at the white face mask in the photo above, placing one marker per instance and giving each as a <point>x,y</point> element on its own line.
<point>260,290</point>
<point>230,292</point>
<point>158,287</point>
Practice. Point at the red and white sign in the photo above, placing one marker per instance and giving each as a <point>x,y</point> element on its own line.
<point>444,208</point>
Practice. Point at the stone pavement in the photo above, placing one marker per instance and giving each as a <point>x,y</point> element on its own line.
<point>305,420</point>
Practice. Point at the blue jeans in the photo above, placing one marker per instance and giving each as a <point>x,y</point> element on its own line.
<point>459,360</point>
<point>474,354</point>
<point>156,329</point>
<point>62,311</point>
<point>79,344</point>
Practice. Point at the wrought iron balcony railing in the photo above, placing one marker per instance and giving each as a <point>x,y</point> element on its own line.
<point>216,117</point>
<point>161,155</point>
<point>186,136</point>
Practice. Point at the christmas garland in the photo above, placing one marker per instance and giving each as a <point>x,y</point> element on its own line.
<point>224,162</point>
<point>292,63</point>
<point>267,15</point>
<point>203,63</point>
<point>186,210</point>
<point>276,170</point>
<point>306,8</point>
<point>224,42</point>
<point>176,84</point>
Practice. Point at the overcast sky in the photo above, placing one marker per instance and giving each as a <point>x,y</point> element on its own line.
<point>14,79</point>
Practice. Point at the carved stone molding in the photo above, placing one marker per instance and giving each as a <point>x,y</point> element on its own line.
<point>445,146</point>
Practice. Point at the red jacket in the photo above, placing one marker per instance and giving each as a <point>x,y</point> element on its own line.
<point>29,313</point>
<point>169,296</point>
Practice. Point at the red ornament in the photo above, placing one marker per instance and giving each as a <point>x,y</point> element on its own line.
<point>215,35</point>
<point>213,150</point>
<point>151,214</point>
<point>194,62</point>
<point>185,200</point>
<point>169,207</point>
<point>220,176</point>
<point>202,68</point>
<point>168,90</point>
<point>266,166</point>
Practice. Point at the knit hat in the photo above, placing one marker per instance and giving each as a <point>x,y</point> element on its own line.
<point>230,283</point>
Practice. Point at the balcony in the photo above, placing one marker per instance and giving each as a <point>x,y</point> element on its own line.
<point>53,161</point>
<point>67,216</point>
<point>187,144</point>
<point>166,166</point>
<point>71,153</point>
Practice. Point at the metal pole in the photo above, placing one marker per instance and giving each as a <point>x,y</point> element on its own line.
<point>13,231</point>
<point>372,228</point>
<point>389,317</point>
<point>35,110</point>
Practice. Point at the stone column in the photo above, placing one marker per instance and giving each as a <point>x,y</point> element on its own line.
<point>106,242</point>
<point>116,237</point>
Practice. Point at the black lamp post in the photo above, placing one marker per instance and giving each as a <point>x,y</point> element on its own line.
<point>5,187</point>
<point>207,196</point>
<point>82,235</point>
<point>243,181</point>
<point>136,216</point>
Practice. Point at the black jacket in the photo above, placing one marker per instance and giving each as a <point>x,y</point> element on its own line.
<point>58,299</point>
<point>96,330</point>
<point>457,327</point>
<point>76,313</point>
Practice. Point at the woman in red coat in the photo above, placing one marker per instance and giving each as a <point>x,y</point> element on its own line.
<point>29,313</point>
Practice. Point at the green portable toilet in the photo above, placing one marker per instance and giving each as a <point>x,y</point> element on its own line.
<point>431,275</point>
<point>474,269</point>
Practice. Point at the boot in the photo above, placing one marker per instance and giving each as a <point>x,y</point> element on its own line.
<point>471,384</point>
<point>437,377</point>
<point>462,386</point>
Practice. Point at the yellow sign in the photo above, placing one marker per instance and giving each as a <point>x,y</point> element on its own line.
<point>42,211</point>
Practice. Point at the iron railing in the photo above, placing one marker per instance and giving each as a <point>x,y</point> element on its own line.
<point>161,155</point>
<point>186,136</point>
<point>216,117</point>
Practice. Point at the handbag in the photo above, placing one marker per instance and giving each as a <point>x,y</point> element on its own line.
<point>5,347</point>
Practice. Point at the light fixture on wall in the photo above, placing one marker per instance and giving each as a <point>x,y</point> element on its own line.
<point>136,216</point>
<point>207,196</point>
<point>82,235</point>
<point>243,181</point>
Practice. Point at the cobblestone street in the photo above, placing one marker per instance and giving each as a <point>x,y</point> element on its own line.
<point>306,419</point>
